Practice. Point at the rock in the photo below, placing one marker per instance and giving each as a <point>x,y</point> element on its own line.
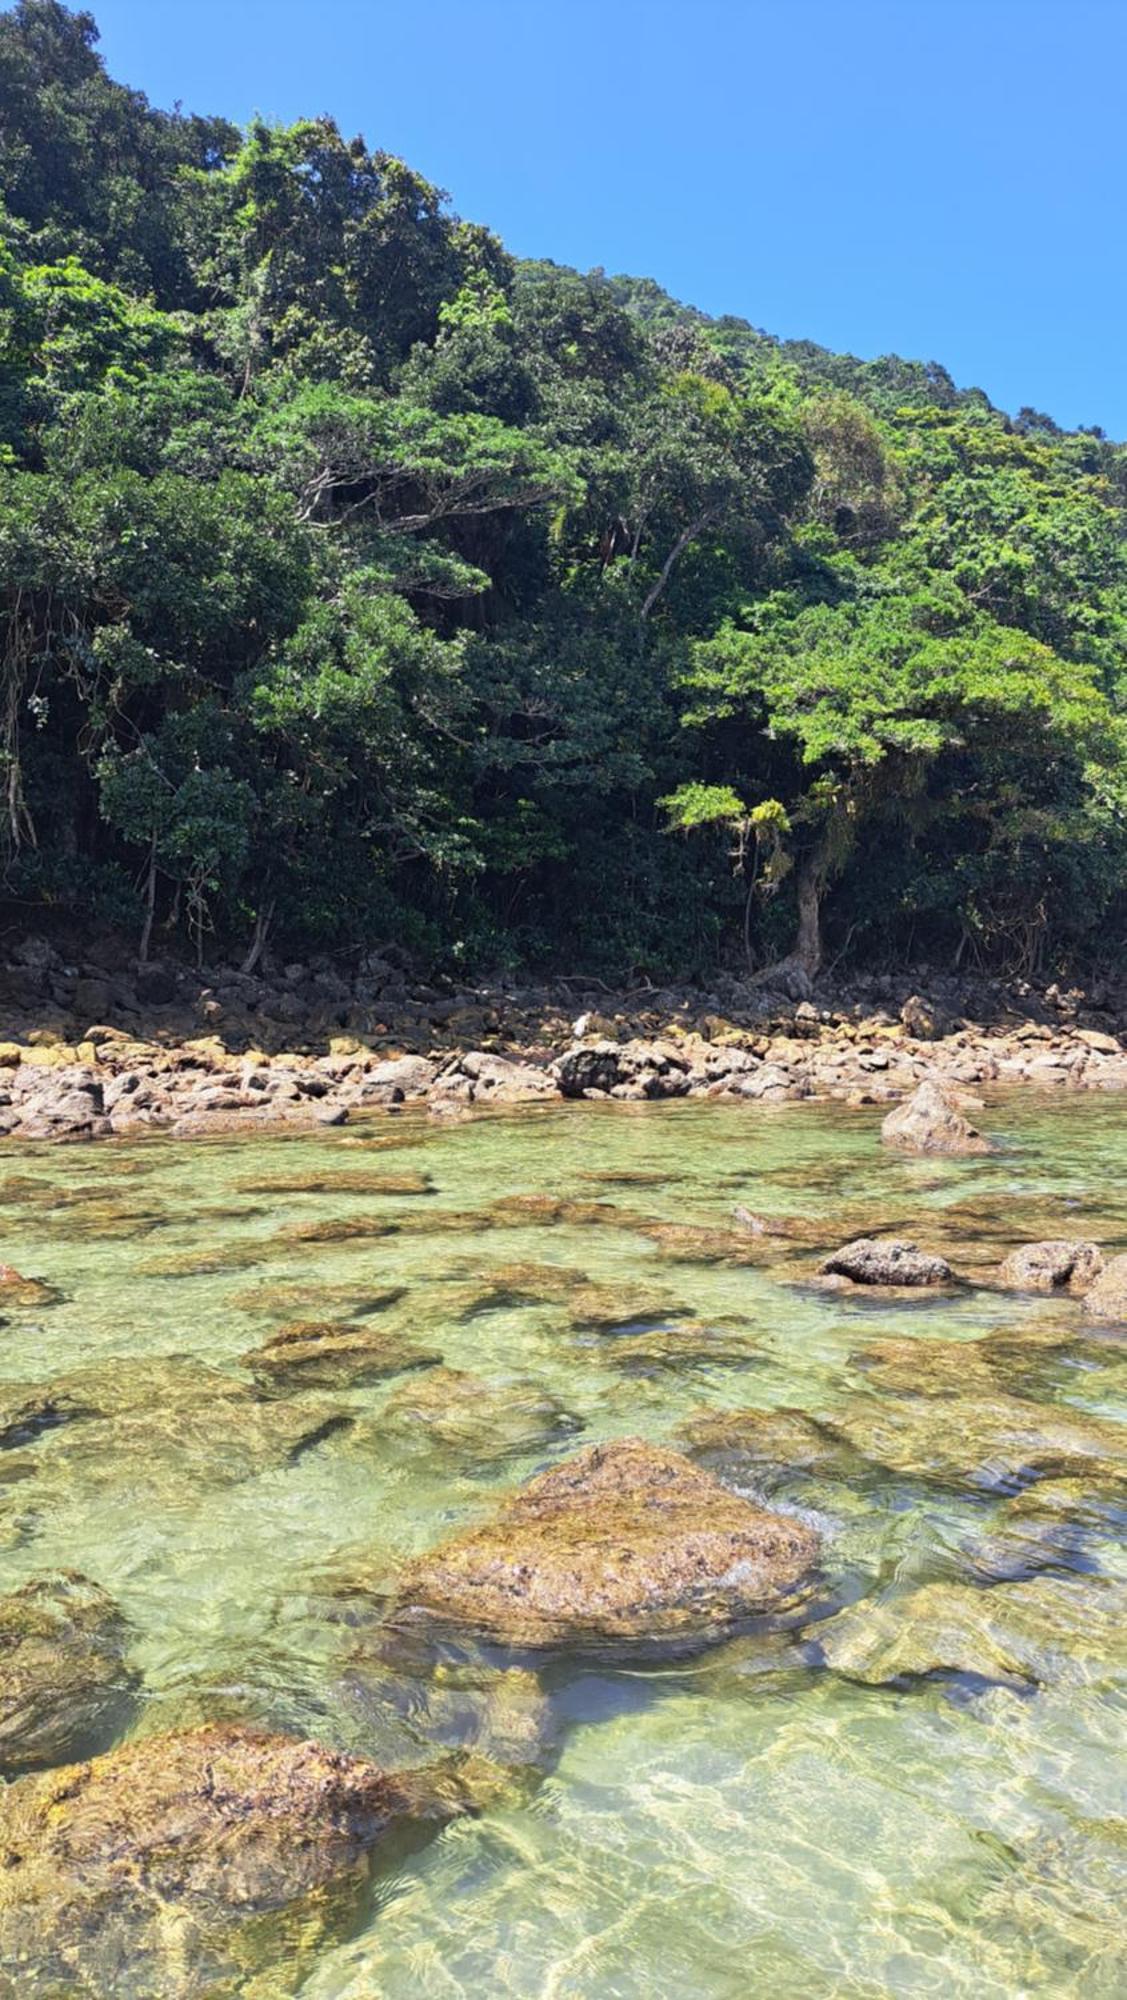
<point>152,1869</point>
<point>930,1122</point>
<point>155,986</point>
<point>588,1066</point>
<point>924,1021</point>
<point>988,1441</point>
<point>888,1260</point>
<point>332,1354</point>
<point>626,1544</point>
<point>771,1447</point>
<point>1056,1265</point>
<point>16,1290</point>
<point>479,1419</point>
<point>497,1081</point>
<point>341,1181</point>
<point>1046,1630</point>
<point>26,1412</point>
<point>65,1690</point>
<point>394,1081</point>
<point>166,1427</point>
<point>1106,1297</point>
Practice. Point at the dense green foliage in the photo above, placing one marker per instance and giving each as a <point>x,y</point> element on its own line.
<point>359,583</point>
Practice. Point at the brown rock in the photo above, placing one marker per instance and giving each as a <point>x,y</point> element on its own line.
<point>1106,1297</point>
<point>888,1260</point>
<point>146,1868</point>
<point>1056,1265</point>
<point>627,1544</point>
<point>930,1122</point>
<point>333,1354</point>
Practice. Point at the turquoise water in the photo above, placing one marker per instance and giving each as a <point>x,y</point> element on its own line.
<point>750,1820</point>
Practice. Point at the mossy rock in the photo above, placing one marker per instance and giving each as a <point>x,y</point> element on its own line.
<point>333,1354</point>
<point>65,1688</point>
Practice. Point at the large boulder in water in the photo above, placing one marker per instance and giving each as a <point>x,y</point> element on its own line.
<point>64,1684</point>
<point>886,1260</point>
<point>1057,1265</point>
<point>627,1544</point>
<point>150,1870</point>
<point>930,1122</point>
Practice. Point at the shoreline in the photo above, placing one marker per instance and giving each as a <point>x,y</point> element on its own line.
<point>218,1070</point>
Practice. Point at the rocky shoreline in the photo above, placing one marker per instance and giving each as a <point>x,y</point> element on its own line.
<point>87,1052</point>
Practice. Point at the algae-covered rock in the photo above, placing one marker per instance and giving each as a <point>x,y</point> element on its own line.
<point>1056,1524</point>
<point>333,1354</point>
<point>890,1260</point>
<point>1059,1264</point>
<point>930,1122</point>
<point>508,1286</point>
<point>340,1181</point>
<point>16,1290</point>
<point>480,1419</point>
<point>292,1298</point>
<point>988,1440</point>
<point>27,1410</point>
<point>64,1686</point>
<point>162,1428</point>
<point>163,1867</point>
<point>696,1243</point>
<point>690,1346</point>
<point>1049,1629</point>
<point>614,1308</point>
<point>625,1545</point>
<point>770,1446</point>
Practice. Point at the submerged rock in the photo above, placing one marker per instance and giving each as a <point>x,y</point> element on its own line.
<point>1057,1524</point>
<point>16,1290</point>
<point>333,1354</point>
<point>163,1428</point>
<point>64,1686</point>
<point>1058,1264</point>
<point>28,1410</point>
<point>688,1346</point>
<point>696,1243</point>
<point>291,1297</point>
<point>340,1181</point>
<point>930,1122</point>
<point>627,1544</point>
<point>615,1308</point>
<point>890,1260</point>
<point>150,1870</point>
<point>479,1418</point>
<point>1049,1629</point>
<point>770,1446</point>
<point>986,1440</point>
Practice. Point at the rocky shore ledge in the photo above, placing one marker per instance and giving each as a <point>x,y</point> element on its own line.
<point>92,1050</point>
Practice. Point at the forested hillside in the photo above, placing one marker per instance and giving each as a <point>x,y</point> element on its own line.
<point>360,583</point>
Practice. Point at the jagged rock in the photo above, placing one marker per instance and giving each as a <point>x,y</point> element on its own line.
<point>930,1122</point>
<point>889,1260</point>
<point>1057,1265</point>
<point>333,1354</point>
<point>64,1686</point>
<point>626,1544</point>
<point>1106,1297</point>
<point>922,1019</point>
<point>589,1066</point>
<point>151,1869</point>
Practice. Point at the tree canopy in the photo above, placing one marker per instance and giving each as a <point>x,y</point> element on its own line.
<point>359,582</point>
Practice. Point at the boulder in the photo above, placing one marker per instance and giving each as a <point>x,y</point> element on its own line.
<point>1106,1296</point>
<point>1060,1264</point>
<point>626,1545</point>
<point>930,1122</point>
<point>588,1066</point>
<point>927,1023</point>
<point>497,1081</point>
<point>886,1260</point>
<point>150,1869</point>
<point>65,1689</point>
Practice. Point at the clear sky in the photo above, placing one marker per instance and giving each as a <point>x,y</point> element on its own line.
<point>942,178</point>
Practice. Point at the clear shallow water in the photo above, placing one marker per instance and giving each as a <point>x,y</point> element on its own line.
<point>746,1821</point>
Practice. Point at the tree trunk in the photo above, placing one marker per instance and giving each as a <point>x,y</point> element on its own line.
<point>262,924</point>
<point>150,903</point>
<point>810,884</point>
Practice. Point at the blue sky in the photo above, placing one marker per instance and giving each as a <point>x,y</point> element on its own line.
<point>942,178</point>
